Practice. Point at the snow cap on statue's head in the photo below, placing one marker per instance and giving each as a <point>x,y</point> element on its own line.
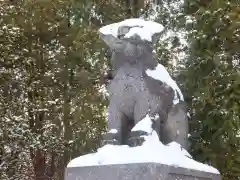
<point>147,31</point>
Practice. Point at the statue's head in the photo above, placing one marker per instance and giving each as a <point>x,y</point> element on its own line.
<point>133,29</point>
<point>130,41</point>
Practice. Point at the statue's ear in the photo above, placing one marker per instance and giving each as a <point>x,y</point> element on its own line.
<point>112,42</point>
<point>109,39</point>
<point>108,34</point>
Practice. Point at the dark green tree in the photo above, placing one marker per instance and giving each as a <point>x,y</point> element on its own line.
<point>51,107</point>
<point>211,82</point>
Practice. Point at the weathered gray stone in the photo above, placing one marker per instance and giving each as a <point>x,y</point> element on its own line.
<point>139,171</point>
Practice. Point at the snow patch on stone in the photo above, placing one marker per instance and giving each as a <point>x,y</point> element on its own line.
<point>144,125</point>
<point>114,131</point>
<point>160,73</point>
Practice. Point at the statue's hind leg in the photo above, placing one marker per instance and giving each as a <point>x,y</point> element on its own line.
<point>176,126</point>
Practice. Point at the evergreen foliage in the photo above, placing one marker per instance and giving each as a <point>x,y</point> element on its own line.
<point>211,82</point>
<point>51,107</point>
<point>52,67</point>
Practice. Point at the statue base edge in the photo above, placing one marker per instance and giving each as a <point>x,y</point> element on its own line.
<point>137,171</point>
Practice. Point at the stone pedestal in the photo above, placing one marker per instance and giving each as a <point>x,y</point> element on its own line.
<point>138,171</point>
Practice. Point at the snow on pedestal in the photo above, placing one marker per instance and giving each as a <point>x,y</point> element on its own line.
<point>152,151</point>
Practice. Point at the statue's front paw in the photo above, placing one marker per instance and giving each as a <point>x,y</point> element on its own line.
<point>110,138</point>
<point>137,138</point>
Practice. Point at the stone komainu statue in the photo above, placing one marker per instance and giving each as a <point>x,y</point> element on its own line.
<point>133,94</point>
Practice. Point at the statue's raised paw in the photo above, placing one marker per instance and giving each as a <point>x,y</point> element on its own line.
<point>137,138</point>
